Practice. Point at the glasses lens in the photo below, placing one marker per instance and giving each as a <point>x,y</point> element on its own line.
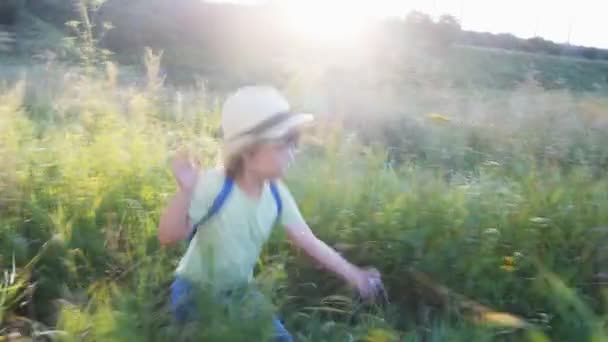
<point>292,139</point>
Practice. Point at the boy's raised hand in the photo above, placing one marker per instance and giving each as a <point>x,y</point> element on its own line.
<point>185,169</point>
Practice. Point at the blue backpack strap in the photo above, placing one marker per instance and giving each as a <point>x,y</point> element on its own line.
<point>277,198</point>
<point>217,204</point>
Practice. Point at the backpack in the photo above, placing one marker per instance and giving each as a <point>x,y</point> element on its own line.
<point>221,197</point>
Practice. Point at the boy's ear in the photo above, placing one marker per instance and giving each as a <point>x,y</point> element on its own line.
<point>247,155</point>
<point>250,152</point>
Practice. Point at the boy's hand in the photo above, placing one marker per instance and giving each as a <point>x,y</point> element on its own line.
<point>185,170</point>
<point>368,282</point>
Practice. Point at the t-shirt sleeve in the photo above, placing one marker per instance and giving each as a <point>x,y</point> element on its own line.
<point>207,187</point>
<point>291,213</point>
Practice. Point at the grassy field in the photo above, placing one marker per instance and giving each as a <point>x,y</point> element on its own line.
<point>499,193</point>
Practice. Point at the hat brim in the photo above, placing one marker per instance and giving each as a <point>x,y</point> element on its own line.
<point>296,122</point>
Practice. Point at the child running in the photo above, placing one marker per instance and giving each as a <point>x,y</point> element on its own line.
<point>228,213</point>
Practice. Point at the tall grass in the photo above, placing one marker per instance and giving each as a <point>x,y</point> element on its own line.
<point>507,206</point>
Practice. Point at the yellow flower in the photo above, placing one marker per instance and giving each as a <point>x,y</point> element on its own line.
<point>507,268</point>
<point>380,335</point>
<point>508,263</point>
<point>147,194</point>
<point>502,319</point>
<point>438,118</point>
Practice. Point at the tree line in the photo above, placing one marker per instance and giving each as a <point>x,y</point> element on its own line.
<point>193,30</point>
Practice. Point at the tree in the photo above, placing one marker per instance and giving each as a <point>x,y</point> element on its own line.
<point>419,25</point>
<point>8,12</point>
<point>56,12</point>
<point>591,53</point>
<point>447,30</point>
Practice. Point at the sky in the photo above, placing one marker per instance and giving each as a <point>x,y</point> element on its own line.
<point>550,19</point>
<point>580,22</point>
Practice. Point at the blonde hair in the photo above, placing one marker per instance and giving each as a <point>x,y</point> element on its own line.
<point>234,165</point>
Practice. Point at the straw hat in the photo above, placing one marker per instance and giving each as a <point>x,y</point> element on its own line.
<point>257,113</point>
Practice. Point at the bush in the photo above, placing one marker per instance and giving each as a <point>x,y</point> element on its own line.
<point>505,206</point>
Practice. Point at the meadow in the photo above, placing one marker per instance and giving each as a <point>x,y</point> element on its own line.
<point>500,194</point>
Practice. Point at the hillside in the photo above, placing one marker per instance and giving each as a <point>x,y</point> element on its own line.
<point>225,50</point>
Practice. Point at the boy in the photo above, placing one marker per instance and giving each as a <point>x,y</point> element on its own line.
<point>236,206</point>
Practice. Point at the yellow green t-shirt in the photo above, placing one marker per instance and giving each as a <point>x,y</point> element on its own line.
<point>224,251</point>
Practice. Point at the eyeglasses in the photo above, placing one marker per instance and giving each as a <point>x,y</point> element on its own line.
<point>290,140</point>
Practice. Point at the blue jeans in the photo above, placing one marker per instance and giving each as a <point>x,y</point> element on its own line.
<point>184,308</point>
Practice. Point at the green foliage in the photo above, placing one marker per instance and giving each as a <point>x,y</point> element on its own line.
<point>168,25</point>
<point>473,166</point>
<point>501,196</point>
<point>84,35</point>
<point>229,45</point>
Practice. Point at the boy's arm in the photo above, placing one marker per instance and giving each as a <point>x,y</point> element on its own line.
<point>365,281</point>
<point>175,224</point>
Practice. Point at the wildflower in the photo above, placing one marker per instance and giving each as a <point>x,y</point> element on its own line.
<point>491,163</point>
<point>507,268</point>
<point>147,194</point>
<point>380,335</point>
<point>508,264</point>
<point>503,319</point>
<point>540,220</point>
<point>491,232</point>
<point>438,118</point>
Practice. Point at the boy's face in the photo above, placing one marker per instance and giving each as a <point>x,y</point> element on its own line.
<point>270,160</point>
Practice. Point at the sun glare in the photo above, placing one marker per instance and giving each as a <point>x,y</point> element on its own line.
<point>327,20</point>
